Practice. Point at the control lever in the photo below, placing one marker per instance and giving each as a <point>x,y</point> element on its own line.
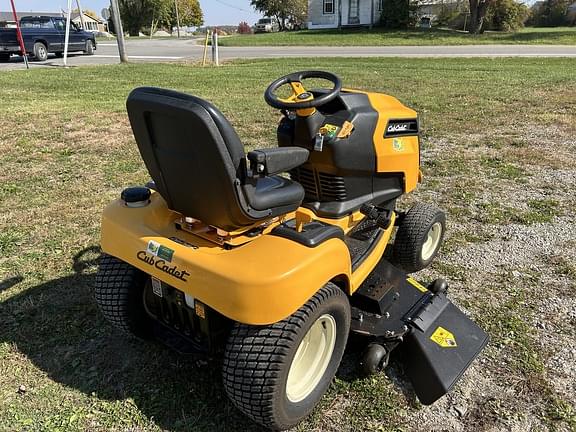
<point>382,216</point>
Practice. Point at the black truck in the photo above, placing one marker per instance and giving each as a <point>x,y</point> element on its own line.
<point>43,35</point>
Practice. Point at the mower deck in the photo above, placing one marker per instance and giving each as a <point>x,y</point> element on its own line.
<point>437,339</point>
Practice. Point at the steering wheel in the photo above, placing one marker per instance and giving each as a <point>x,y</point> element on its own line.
<point>301,99</point>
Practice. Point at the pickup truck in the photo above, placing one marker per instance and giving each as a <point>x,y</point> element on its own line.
<point>43,35</point>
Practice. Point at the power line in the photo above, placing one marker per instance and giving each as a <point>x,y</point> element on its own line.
<point>233,6</point>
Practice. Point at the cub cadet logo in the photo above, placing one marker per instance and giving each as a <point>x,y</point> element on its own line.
<point>160,264</point>
<point>398,127</point>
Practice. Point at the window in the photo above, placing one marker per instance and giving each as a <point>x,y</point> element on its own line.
<point>60,24</point>
<point>328,6</point>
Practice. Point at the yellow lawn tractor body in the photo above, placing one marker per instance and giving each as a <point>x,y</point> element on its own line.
<point>219,254</point>
<point>262,282</point>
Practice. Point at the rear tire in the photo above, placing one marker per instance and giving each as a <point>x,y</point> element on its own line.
<point>40,51</point>
<point>119,293</point>
<point>276,374</point>
<point>4,58</point>
<point>419,237</point>
<point>89,49</point>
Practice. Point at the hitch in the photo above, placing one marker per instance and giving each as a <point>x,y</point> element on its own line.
<point>437,340</point>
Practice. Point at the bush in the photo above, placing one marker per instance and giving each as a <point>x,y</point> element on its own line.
<point>506,15</point>
<point>447,16</point>
<point>399,14</point>
<point>244,28</point>
<point>551,13</point>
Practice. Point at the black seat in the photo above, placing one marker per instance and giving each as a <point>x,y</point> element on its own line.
<point>199,166</point>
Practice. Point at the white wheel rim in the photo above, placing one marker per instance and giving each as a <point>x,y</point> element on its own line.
<point>432,241</point>
<point>311,359</point>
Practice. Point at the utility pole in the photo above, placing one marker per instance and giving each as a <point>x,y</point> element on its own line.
<point>81,12</point>
<point>119,30</point>
<point>67,35</point>
<point>177,18</point>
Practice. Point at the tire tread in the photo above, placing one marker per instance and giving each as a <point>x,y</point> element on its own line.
<point>407,245</point>
<point>254,356</point>
<point>112,289</point>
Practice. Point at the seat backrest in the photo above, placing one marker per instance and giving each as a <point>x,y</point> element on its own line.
<point>192,153</point>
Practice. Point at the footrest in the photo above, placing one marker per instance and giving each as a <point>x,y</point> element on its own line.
<point>440,347</point>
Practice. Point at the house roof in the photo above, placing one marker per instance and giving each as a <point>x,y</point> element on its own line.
<point>77,14</point>
<point>8,16</point>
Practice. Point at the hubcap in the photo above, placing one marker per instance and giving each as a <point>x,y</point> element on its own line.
<point>311,359</point>
<point>432,241</point>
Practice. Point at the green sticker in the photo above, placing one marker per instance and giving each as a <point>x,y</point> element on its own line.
<point>398,145</point>
<point>165,253</point>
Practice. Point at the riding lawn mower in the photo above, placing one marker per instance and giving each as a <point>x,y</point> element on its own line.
<point>270,260</point>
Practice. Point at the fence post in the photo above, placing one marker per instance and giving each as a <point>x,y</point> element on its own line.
<point>206,46</point>
<point>215,53</point>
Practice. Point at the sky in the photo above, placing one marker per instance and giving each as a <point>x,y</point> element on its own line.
<point>216,12</point>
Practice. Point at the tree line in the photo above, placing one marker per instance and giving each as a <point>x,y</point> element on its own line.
<point>139,15</point>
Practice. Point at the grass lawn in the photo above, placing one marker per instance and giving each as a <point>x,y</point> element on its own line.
<point>540,36</point>
<point>498,156</point>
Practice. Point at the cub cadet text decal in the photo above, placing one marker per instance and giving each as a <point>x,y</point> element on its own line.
<point>398,127</point>
<point>161,264</point>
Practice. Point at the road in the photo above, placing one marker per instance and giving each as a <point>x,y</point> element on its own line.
<point>170,50</point>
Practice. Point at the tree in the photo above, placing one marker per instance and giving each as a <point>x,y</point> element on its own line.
<point>284,11</point>
<point>190,13</point>
<point>551,13</point>
<point>506,15</point>
<point>399,14</point>
<point>140,14</point>
<point>244,28</point>
<point>478,9</point>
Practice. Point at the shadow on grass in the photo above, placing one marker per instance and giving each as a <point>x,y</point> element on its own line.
<point>60,329</point>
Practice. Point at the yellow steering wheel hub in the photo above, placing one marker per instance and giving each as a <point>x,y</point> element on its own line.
<point>301,100</point>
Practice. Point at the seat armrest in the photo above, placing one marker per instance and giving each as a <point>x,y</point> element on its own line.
<point>276,160</point>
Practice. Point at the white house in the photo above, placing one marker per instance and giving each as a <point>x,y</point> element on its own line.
<point>327,14</point>
<point>91,24</point>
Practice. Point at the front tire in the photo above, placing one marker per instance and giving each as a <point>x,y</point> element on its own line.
<point>89,49</point>
<point>119,293</point>
<point>276,374</point>
<point>419,237</point>
<point>40,51</point>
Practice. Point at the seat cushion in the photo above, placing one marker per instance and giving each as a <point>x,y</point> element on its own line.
<point>274,191</point>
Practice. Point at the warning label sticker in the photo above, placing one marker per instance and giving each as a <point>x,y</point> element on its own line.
<point>444,338</point>
<point>417,285</point>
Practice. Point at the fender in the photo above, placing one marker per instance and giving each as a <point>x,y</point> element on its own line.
<point>261,282</point>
